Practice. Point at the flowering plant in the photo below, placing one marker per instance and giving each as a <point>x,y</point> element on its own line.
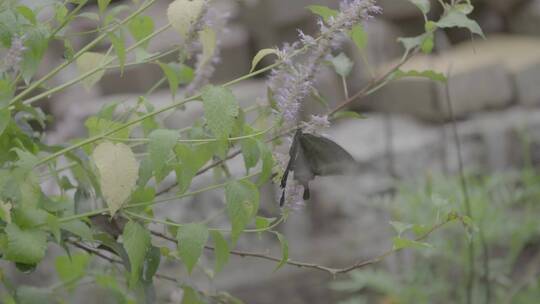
<point>108,185</point>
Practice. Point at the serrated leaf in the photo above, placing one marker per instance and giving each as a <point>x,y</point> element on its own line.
<point>400,227</point>
<point>284,250</point>
<point>191,240</point>
<point>456,18</point>
<point>87,63</point>
<point>423,5</point>
<point>136,240</point>
<point>402,243</point>
<point>119,46</point>
<point>323,11</point>
<point>71,268</point>
<point>141,27</point>
<point>6,92</point>
<point>183,14</point>
<point>342,64</point>
<point>242,205</point>
<point>118,172</point>
<point>348,114</point>
<point>259,56</point>
<point>359,36</point>
<point>220,110</point>
<point>160,149</point>
<point>250,152</point>
<point>191,160</point>
<point>221,250</point>
<point>436,76</point>
<point>25,246</point>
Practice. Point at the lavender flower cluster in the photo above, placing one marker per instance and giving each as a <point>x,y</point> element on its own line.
<point>293,80</point>
<point>14,54</point>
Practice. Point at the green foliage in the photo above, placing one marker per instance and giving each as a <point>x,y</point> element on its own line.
<point>191,241</point>
<point>105,185</point>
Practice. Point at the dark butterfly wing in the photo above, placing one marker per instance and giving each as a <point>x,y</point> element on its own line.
<point>326,157</point>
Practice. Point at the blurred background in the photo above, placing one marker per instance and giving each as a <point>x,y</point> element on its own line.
<point>405,147</point>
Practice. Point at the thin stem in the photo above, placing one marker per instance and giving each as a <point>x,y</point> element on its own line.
<point>86,48</point>
<point>95,70</point>
<point>469,285</point>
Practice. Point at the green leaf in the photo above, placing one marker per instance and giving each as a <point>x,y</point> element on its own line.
<point>436,76</point>
<point>36,42</point>
<point>119,46</point>
<point>263,222</point>
<point>411,43</point>
<point>259,56</point>
<point>25,246</point>
<point>6,92</point>
<point>27,13</point>
<point>191,160</point>
<point>428,43</point>
<point>184,14</point>
<point>141,27</point>
<point>456,18</point>
<point>267,164</point>
<point>284,250</point>
<point>423,5</point>
<point>91,64</point>
<point>151,263</point>
<point>191,296</point>
<point>242,205</point>
<point>78,228</point>
<point>221,250</point>
<point>359,36</point>
<point>172,77</point>
<point>347,114</point>
<point>160,148</point>
<point>5,211</point>
<point>401,243</point>
<point>5,118</point>
<point>342,64</point>
<point>136,240</point>
<point>323,11</point>
<point>29,217</point>
<point>400,227</point>
<point>72,268</point>
<point>220,110</point>
<point>250,152</point>
<point>97,126</point>
<point>102,5</point>
<point>118,172</point>
<point>191,240</point>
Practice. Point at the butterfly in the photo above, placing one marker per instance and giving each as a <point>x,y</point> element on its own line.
<point>312,155</point>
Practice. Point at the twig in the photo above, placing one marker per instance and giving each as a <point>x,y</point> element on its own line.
<point>331,270</point>
<point>464,189</point>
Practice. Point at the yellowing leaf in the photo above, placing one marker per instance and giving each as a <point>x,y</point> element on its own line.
<point>87,63</point>
<point>259,56</point>
<point>183,14</point>
<point>118,171</point>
